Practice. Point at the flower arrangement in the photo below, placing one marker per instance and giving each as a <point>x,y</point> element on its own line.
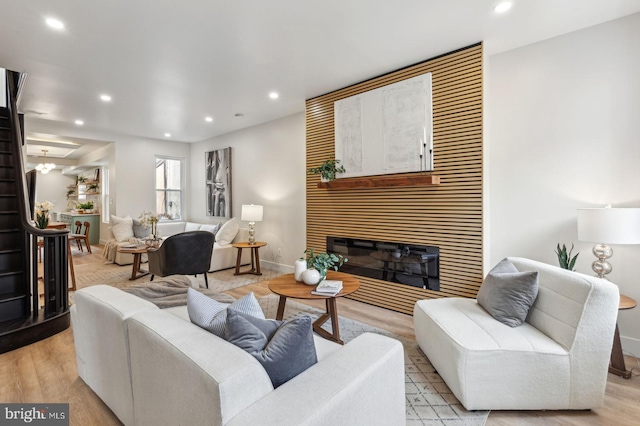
<point>150,219</point>
<point>42,213</point>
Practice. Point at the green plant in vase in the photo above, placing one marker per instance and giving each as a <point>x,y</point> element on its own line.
<point>328,169</point>
<point>322,262</point>
<point>564,258</point>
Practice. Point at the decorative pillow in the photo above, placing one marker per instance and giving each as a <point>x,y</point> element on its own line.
<point>212,315</point>
<point>508,294</point>
<point>190,226</point>
<point>227,232</point>
<point>122,228</point>
<point>285,349</point>
<point>211,228</point>
<point>139,230</point>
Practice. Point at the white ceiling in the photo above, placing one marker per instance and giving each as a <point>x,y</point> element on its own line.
<point>168,64</point>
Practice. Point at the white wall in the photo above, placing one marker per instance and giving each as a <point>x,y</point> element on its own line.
<point>268,168</point>
<point>564,134</point>
<point>53,187</point>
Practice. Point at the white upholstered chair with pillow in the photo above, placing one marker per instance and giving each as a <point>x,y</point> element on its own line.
<point>556,359</point>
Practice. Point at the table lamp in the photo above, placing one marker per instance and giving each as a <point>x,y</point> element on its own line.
<point>253,214</point>
<point>608,226</point>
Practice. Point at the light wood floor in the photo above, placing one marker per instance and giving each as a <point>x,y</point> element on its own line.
<point>46,372</point>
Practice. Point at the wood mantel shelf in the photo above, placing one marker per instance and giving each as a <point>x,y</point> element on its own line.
<point>380,182</point>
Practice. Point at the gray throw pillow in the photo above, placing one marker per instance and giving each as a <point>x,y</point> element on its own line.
<point>139,231</point>
<point>212,315</point>
<point>508,294</point>
<point>285,349</point>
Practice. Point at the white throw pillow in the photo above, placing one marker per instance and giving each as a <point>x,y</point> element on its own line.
<point>122,228</point>
<point>227,232</point>
<point>190,226</point>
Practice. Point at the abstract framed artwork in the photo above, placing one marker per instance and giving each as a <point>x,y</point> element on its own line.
<point>218,182</point>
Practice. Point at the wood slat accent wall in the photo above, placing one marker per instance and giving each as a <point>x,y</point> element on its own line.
<point>448,215</point>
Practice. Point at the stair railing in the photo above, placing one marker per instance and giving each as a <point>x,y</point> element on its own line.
<point>54,241</point>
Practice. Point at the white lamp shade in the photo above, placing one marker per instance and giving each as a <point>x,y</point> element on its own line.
<point>609,225</point>
<point>251,213</point>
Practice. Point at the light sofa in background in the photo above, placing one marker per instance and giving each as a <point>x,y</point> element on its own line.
<point>154,367</point>
<point>558,359</point>
<point>223,256</point>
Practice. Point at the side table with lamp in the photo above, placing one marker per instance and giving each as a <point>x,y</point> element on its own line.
<point>251,213</point>
<point>610,226</point>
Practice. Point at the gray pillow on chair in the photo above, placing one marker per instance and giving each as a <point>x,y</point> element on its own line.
<point>508,294</point>
<point>285,349</point>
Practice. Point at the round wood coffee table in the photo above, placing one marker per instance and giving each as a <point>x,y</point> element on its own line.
<point>286,286</point>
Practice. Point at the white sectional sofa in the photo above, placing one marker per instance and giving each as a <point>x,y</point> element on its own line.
<point>222,257</point>
<point>154,367</point>
<point>558,359</point>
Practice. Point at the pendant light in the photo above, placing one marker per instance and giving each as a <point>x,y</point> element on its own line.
<point>45,167</point>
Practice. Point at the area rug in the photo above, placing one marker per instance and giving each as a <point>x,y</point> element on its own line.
<point>428,399</point>
<point>118,276</point>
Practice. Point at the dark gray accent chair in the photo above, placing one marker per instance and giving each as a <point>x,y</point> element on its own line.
<point>187,253</point>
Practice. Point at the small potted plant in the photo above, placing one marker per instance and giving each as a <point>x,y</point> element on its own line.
<point>85,207</point>
<point>328,170</point>
<point>70,193</point>
<point>319,264</point>
<point>564,258</point>
<point>82,179</point>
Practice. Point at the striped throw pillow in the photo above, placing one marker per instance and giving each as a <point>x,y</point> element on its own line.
<point>212,315</point>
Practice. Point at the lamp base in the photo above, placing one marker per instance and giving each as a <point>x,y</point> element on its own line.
<point>252,232</point>
<point>601,267</point>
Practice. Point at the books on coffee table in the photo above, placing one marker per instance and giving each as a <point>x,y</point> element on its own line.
<point>328,288</point>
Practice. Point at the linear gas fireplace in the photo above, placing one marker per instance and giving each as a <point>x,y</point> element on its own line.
<point>409,264</point>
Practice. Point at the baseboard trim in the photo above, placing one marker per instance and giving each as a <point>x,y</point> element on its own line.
<point>277,267</point>
<point>630,346</point>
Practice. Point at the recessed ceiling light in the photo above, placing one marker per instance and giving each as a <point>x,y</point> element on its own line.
<point>54,23</point>
<point>105,98</point>
<point>79,122</point>
<point>209,119</point>
<point>502,7</point>
<point>167,135</point>
<point>273,95</point>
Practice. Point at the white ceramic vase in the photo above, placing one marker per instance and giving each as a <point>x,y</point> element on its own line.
<point>300,266</point>
<point>311,276</point>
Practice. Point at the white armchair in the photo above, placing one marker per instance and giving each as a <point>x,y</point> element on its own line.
<point>558,359</point>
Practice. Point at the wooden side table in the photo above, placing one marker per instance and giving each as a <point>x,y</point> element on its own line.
<point>138,251</point>
<point>255,257</point>
<point>617,365</point>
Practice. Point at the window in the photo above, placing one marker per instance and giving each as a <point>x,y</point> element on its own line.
<point>106,204</point>
<point>169,187</point>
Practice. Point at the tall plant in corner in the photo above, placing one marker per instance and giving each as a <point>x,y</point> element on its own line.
<point>564,258</point>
